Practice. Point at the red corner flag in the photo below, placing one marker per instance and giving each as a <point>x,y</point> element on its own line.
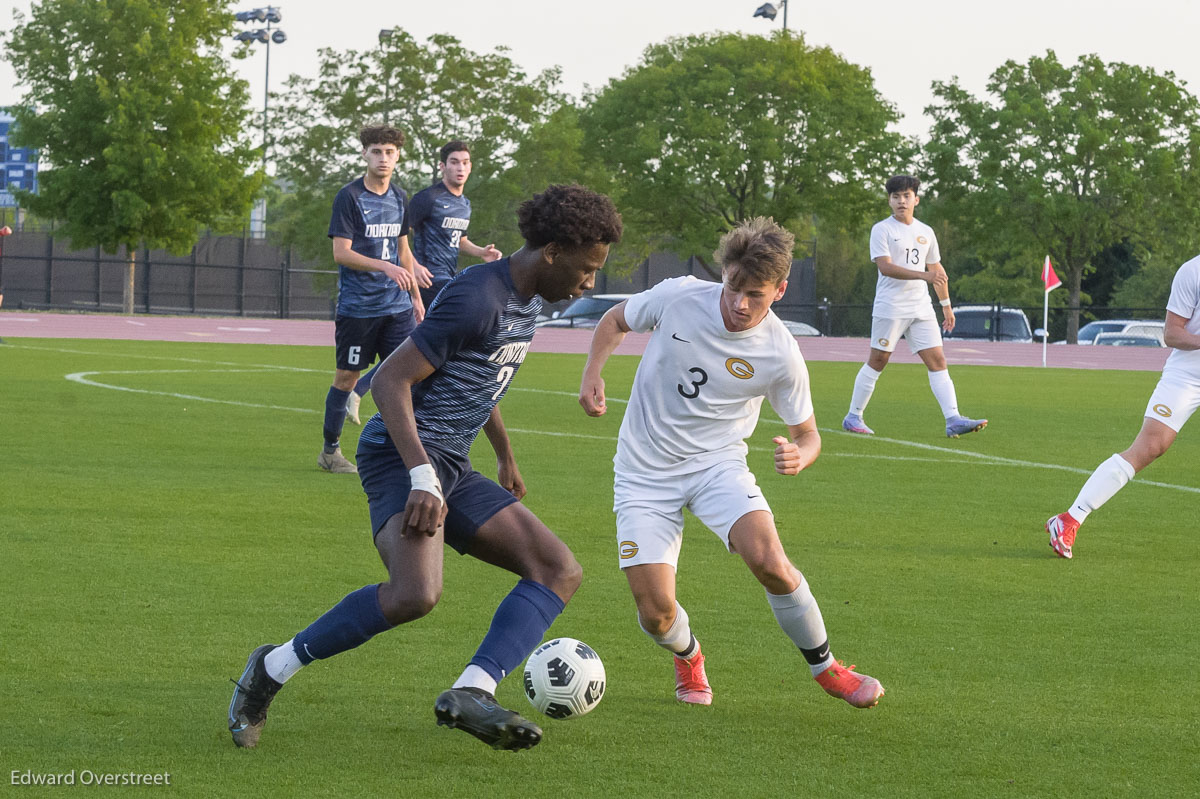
<point>1048,277</point>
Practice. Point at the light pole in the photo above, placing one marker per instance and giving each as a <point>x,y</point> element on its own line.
<point>768,11</point>
<point>384,35</point>
<point>269,15</point>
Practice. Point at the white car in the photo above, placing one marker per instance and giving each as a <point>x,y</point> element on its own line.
<point>1128,339</point>
<point>800,328</point>
<point>1135,327</point>
<point>583,312</point>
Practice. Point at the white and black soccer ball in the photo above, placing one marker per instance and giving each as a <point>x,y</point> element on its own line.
<point>564,678</point>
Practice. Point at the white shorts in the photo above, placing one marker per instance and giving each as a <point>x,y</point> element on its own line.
<point>1173,402</point>
<point>649,509</point>
<point>921,334</point>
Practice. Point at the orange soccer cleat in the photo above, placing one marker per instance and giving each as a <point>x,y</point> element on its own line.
<point>1062,529</point>
<point>844,683</point>
<point>691,683</point>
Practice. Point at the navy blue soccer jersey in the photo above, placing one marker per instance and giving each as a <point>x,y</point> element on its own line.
<point>374,224</point>
<point>476,335</point>
<point>439,219</point>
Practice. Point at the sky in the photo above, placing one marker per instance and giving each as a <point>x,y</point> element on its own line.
<point>906,46</point>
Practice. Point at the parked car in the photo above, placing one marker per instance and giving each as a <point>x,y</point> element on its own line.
<point>1137,327</point>
<point>583,312</point>
<point>990,323</point>
<point>1127,340</point>
<point>800,328</point>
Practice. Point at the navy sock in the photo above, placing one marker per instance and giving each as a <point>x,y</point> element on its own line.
<point>364,383</point>
<point>335,415</point>
<point>349,623</point>
<point>520,622</point>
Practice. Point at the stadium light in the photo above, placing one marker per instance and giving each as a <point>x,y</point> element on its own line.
<point>768,11</point>
<point>271,16</point>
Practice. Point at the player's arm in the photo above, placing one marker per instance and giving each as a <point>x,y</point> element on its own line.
<point>343,255</point>
<point>607,336</point>
<point>408,262</point>
<point>486,254</point>
<point>797,451</point>
<point>507,473</point>
<point>392,389</point>
<point>942,290</point>
<point>889,269</point>
<point>1175,333</point>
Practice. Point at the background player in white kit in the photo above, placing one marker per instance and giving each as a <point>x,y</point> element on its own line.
<point>906,253</point>
<point>1174,400</point>
<point>716,351</point>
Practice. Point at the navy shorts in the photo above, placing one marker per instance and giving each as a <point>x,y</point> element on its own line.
<point>359,340</point>
<point>471,497</point>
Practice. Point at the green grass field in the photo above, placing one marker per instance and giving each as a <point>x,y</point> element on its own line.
<point>149,539</point>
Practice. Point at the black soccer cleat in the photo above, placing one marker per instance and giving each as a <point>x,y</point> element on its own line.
<point>253,695</point>
<point>476,711</point>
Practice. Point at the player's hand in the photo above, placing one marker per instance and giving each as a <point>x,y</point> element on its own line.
<point>591,396</point>
<point>424,276</point>
<point>490,253</point>
<point>787,456</point>
<point>509,478</point>
<point>936,278</point>
<point>402,276</point>
<point>424,513</point>
<point>947,319</point>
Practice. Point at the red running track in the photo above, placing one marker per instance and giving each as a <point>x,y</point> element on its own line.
<point>240,330</point>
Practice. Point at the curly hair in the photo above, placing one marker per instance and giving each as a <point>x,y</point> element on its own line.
<point>380,134</point>
<point>758,251</point>
<point>571,216</point>
<point>898,183</point>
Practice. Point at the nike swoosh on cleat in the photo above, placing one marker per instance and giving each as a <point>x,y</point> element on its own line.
<point>677,338</point>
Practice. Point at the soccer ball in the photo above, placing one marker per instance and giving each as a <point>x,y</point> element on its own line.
<point>564,678</point>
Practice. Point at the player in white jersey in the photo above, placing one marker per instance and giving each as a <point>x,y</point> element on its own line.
<point>1174,400</point>
<point>717,350</point>
<point>906,253</point>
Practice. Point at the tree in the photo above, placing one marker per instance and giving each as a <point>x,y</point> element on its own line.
<point>710,130</point>
<point>434,92</point>
<point>140,118</point>
<point>1070,161</point>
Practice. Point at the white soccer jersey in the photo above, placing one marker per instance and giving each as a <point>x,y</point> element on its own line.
<point>911,246</point>
<point>699,387</point>
<point>1185,301</point>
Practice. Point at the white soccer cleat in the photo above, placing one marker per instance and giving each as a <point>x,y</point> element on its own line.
<point>352,403</point>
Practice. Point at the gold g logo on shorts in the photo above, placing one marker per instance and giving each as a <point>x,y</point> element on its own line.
<point>883,342</point>
<point>739,368</point>
<point>628,550</point>
<point>1163,411</point>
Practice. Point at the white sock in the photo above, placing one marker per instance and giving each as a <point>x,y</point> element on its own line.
<point>799,616</point>
<point>1109,478</point>
<point>864,387</point>
<point>281,663</point>
<point>475,677</point>
<point>678,639</point>
<point>943,391</point>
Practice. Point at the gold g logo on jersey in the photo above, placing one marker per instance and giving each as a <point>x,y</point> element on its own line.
<point>883,342</point>
<point>739,368</point>
<point>922,240</point>
<point>628,550</point>
<point>1163,411</point>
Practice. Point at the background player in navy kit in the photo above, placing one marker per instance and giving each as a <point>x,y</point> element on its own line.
<point>435,393</point>
<point>438,216</point>
<point>378,304</point>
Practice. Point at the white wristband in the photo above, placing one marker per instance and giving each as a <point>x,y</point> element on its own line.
<point>424,478</point>
<point>945,303</point>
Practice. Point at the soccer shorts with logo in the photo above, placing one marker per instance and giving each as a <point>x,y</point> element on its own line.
<point>472,499</point>
<point>649,509</point>
<point>359,340</point>
<point>1174,400</point>
<point>921,334</point>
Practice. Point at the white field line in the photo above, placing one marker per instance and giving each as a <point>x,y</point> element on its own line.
<point>959,456</point>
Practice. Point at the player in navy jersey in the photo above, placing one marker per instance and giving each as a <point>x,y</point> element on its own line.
<point>438,216</point>
<point>378,303</point>
<point>435,393</point>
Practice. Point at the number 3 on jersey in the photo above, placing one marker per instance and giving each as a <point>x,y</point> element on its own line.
<point>701,379</point>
